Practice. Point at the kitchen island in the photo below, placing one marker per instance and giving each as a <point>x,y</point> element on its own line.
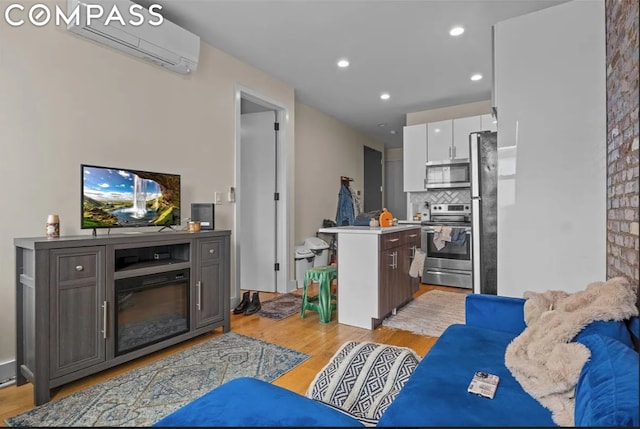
<point>373,271</point>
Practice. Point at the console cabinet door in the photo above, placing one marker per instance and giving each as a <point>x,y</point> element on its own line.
<point>209,282</point>
<point>77,307</point>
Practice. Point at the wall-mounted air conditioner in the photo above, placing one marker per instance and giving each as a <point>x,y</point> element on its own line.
<point>166,44</point>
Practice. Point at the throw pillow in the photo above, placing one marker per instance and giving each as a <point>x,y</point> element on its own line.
<point>363,378</point>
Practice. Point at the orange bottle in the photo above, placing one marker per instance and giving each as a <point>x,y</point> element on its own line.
<point>386,218</point>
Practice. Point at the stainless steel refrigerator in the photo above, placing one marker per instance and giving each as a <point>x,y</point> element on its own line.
<point>483,155</point>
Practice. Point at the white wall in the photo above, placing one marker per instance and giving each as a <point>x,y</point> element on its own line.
<point>325,150</point>
<point>550,72</point>
<point>65,100</point>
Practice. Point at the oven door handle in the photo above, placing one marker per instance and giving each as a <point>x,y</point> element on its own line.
<point>431,229</point>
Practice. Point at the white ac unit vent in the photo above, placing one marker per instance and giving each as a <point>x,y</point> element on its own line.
<point>167,44</point>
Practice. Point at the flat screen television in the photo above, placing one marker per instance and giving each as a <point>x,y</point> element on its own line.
<point>118,197</point>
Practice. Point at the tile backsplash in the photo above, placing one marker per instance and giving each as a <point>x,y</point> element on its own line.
<point>453,196</point>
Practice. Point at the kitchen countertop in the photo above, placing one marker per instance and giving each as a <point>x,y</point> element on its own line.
<point>410,222</point>
<point>352,229</point>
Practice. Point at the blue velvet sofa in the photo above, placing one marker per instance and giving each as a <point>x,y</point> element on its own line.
<point>436,393</point>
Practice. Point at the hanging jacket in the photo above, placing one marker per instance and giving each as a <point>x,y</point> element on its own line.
<point>356,202</point>
<point>344,213</point>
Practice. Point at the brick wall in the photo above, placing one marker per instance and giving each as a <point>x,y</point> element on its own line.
<point>622,139</point>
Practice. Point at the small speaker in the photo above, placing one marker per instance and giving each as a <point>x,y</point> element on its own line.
<point>204,213</point>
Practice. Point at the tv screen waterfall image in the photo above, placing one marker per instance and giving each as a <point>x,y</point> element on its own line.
<point>115,197</point>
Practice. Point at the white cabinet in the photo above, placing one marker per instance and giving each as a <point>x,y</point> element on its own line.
<point>488,123</point>
<point>439,140</point>
<point>449,139</point>
<point>462,127</point>
<point>414,156</point>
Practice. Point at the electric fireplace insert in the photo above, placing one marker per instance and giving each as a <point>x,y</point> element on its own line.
<point>150,309</point>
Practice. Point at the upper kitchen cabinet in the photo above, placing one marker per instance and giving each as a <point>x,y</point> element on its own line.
<point>462,127</point>
<point>439,140</point>
<point>414,156</point>
<point>488,123</point>
<point>449,139</point>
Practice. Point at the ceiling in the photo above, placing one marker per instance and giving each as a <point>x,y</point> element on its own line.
<point>401,47</point>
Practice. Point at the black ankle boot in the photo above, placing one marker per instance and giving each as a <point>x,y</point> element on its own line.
<point>244,303</point>
<point>255,305</point>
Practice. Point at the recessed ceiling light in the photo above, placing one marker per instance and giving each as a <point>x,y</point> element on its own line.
<point>343,63</point>
<point>476,76</point>
<point>392,131</point>
<point>385,96</point>
<point>456,31</point>
<point>382,125</point>
<point>495,122</point>
<point>437,130</point>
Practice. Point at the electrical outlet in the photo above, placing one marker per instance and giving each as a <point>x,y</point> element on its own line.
<point>231,195</point>
<point>217,197</point>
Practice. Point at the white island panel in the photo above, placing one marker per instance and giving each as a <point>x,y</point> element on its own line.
<point>357,279</point>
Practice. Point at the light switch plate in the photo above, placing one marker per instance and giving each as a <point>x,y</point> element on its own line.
<point>217,197</point>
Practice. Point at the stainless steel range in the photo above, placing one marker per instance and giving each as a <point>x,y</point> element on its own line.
<point>446,242</point>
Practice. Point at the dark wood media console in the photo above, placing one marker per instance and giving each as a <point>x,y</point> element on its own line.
<point>72,318</point>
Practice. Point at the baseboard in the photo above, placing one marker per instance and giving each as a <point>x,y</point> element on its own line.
<point>7,371</point>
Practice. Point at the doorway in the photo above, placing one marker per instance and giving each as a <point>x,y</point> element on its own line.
<point>394,196</point>
<point>261,218</point>
<point>372,179</point>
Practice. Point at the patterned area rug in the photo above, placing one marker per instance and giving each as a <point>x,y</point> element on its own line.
<point>281,307</point>
<point>429,314</point>
<point>144,395</point>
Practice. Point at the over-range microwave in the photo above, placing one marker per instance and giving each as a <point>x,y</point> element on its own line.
<point>452,173</point>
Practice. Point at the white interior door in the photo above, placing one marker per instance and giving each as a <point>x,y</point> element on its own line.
<point>257,240</point>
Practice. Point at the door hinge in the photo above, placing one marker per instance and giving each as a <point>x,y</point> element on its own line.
<point>276,126</point>
<point>276,196</point>
<point>276,266</point>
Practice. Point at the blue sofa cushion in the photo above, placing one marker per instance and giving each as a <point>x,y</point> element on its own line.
<point>607,390</point>
<point>251,402</point>
<point>436,394</point>
<point>500,313</point>
<point>616,330</point>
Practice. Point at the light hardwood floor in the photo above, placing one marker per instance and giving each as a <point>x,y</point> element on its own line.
<point>319,340</point>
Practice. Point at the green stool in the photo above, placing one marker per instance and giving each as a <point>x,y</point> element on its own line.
<point>324,302</point>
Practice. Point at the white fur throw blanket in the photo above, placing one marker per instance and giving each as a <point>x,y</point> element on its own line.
<point>543,359</point>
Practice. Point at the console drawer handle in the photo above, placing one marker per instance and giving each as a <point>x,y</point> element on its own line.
<point>212,251</point>
<point>79,268</point>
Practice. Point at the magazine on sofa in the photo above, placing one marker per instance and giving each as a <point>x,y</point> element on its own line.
<point>484,384</point>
